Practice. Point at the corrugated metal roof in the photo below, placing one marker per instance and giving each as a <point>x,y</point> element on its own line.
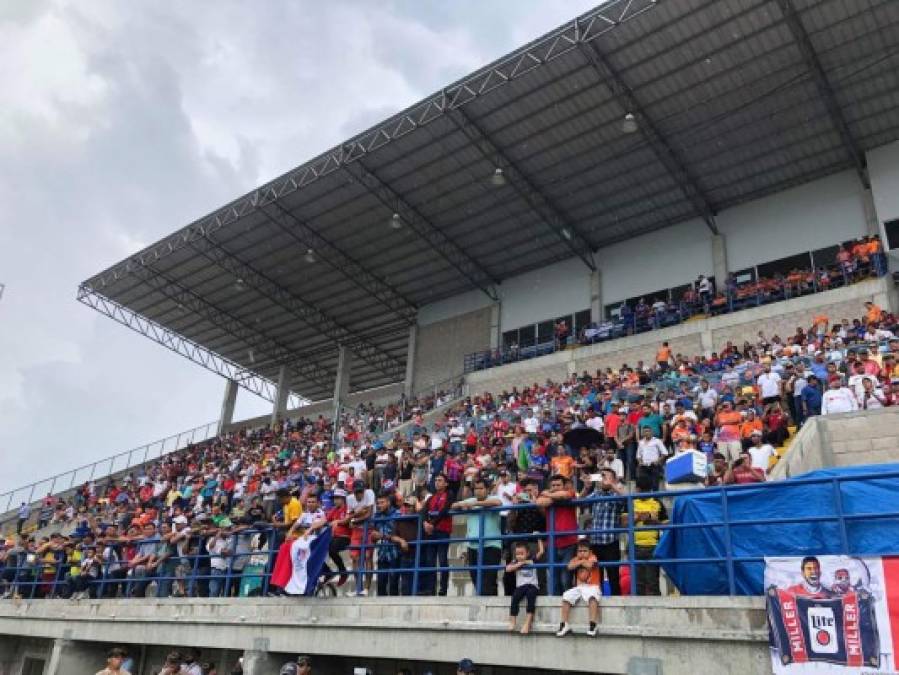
<point>729,109</point>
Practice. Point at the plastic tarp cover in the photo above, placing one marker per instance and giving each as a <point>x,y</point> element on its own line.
<point>784,499</point>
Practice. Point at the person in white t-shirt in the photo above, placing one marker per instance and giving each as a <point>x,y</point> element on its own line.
<point>838,399</point>
<point>595,422</point>
<point>761,453</point>
<point>531,423</point>
<point>769,385</point>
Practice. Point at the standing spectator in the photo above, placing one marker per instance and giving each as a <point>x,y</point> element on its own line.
<point>606,515</point>
<point>728,422</point>
<point>648,511</point>
<point>360,507</point>
<point>388,545</point>
<point>583,565</point>
<point>217,547</point>
<point>528,522</point>
<point>114,660</point>
<point>561,517</point>
<point>24,515</point>
<point>437,528</point>
<point>811,397</point>
<point>491,534</point>
<point>526,587</point>
<point>770,385</point>
<point>742,471</point>
<point>838,399</point>
<point>651,453</point>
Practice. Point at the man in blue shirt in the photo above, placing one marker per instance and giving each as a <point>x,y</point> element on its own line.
<point>811,397</point>
<point>492,543</point>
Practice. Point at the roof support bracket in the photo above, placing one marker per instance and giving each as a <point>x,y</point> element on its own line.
<point>551,214</point>
<point>825,90</point>
<point>660,146</point>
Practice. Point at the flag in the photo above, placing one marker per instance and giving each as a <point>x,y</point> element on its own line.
<point>300,561</point>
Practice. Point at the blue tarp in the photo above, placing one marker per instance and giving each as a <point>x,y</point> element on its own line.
<point>785,499</point>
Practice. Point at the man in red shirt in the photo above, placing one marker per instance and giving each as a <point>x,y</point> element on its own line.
<point>562,518</point>
<point>339,519</point>
<point>437,528</point>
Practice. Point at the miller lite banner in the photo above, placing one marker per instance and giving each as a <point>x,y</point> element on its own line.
<point>833,614</point>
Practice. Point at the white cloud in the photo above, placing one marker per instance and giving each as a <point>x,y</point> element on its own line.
<point>120,122</point>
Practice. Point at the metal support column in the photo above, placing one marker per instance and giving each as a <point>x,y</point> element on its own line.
<point>342,381</point>
<point>281,395</point>
<point>230,398</point>
<point>410,361</point>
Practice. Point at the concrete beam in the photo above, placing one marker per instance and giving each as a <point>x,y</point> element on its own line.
<point>688,634</point>
<point>283,391</point>
<point>596,305</point>
<point>410,361</point>
<point>228,403</point>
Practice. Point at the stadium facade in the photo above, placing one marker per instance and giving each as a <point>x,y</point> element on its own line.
<point>618,157</point>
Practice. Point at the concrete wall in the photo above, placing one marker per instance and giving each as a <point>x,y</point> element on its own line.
<point>687,634</point>
<point>883,167</point>
<point>846,439</point>
<point>441,347</point>
<point>690,338</point>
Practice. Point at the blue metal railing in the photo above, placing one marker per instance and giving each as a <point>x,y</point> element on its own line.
<point>640,320</point>
<point>39,577</point>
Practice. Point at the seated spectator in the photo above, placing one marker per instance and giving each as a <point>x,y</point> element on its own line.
<point>586,588</point>
<point>526,587</point>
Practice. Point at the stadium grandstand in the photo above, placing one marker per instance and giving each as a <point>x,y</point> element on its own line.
<point>494,329</point>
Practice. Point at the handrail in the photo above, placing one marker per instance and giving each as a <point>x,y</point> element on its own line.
<point>409,571</point>
<point>735,297</point>
<point>181,440</point>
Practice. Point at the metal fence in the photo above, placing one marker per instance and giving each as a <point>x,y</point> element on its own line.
<point>248,568</point>
<point>736,298</point>
<point>107,466</point>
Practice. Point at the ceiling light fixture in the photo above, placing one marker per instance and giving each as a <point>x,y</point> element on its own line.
<point>629,124</point>
<point>395,222</point>
<point>498,179</point>
<point>239,285</point>
<point>566,234</point>
<point>310,256</point>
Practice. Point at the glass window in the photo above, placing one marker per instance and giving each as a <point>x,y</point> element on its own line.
<point>545,331</point>
<point>892,230</point>
<point>613,311</point>
<point>745,276</point>
<point>785,265</point>
<point>527,336</point>
<point>510,337</point>
<point>581,319</point>
<point>825,257</point>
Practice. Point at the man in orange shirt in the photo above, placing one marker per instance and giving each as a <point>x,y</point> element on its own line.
<point>663,357</point>
<point>874,314</point>
<point>562,463</point>
<point>819,323</point>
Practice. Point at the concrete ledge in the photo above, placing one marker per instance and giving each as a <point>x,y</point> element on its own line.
<point>688,633</point>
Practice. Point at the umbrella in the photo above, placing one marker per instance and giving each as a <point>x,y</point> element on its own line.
<point>582,437</point>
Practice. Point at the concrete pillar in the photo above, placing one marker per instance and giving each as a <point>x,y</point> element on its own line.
<point>410,361</point>
<point>281,393</point>
<point>873,226</point>
<point>496,329</point>
<point>69,657</point>
<point>257,662</point>
<point>596,306</point>
<point>230,398</point>
<point>719,261</point>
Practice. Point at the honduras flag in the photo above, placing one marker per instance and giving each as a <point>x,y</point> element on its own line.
<point>300,561</point>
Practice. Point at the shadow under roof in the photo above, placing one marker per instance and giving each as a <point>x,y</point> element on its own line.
<point>733,100</point>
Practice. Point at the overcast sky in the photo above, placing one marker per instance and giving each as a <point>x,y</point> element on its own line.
<point>121,122</point>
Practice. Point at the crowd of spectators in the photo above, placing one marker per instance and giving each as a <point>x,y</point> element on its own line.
<point>206,520</point>
<point>854,261</point>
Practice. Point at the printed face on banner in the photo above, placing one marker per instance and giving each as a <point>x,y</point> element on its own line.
<point>831,614</point>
